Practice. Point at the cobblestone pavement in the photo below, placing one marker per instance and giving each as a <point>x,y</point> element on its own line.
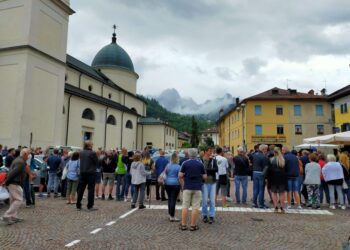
<point>52,225</point>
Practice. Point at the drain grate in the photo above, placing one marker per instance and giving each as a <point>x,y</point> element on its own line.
<point>256,219</point>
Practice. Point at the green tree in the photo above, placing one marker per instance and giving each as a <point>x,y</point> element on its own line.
<point>209,142</point>
<point>178,121</point>
<point>194,133</point>
<point>186,145</point>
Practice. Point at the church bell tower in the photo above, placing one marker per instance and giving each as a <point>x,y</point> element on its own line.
<point>33,42</point>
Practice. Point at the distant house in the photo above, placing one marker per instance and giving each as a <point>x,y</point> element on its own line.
<point>210,132</point>
<point>156,133</point>
<point>182,138</point>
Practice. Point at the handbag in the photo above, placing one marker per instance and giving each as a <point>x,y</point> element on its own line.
<point>345,185</point>
<point>4,194</point>
<point>162,177</point>
<point>65,172</point>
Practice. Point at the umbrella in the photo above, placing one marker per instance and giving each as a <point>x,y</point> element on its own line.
<point>313,145</point>
<point>339,138</point>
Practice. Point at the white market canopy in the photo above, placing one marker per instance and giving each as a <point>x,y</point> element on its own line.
<point>313,145</point>
<point>339,138</point>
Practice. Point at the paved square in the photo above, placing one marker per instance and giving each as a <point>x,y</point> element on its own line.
<point>54,225</point>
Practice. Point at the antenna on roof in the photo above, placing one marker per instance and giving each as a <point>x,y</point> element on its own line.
<point>287,80</point>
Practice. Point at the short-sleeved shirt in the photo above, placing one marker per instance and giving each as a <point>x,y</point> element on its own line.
<point>222,165</point>
<point>193,171</point>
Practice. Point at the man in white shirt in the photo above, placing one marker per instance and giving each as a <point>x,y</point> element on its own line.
<point>222,175</point>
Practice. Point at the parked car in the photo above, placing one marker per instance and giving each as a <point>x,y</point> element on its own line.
<point>61,148</point>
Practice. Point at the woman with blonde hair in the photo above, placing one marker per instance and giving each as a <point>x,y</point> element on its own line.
<point>345,163</point>
<point>333,175</point>
<point>172,184</point>
<point>277,179</point>
<point>149,165</point>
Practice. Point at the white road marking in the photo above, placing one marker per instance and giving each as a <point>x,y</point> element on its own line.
<point>255,210</point>
<point>110,223</point>
<point>73,243</point>
<point>96,231</point>
<point>126,214</point>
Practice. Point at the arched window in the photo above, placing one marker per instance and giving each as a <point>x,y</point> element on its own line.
<point>88,114</point>
<point>133,109</point>
<point>111,120</point>
<point>128,124</point>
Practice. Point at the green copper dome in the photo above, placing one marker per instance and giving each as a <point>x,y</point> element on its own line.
<point>112,55</point>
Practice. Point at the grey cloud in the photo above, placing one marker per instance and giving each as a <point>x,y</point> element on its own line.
<point>143,64</point>
<point>227,29</point>
<point>253,65</point>
<point>228,33</point>
<point>224,73</point>
<point>199,70</point>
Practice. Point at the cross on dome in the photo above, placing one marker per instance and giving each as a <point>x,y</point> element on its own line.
<point>114,38</point>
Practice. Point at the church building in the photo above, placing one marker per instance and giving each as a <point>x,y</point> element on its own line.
<point>50,98</point>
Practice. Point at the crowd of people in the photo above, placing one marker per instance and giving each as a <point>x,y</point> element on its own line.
<point>285,175</point>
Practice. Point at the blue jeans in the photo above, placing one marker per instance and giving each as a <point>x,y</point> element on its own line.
<point>128,185</point>
<point>27,188</point>
<point>293,184</point>
<point>258,188</point>
<point>54,181</point>
<point>241,180</point>
<point>120,190</point>
<point>208,191</point>
<point>300,184</point>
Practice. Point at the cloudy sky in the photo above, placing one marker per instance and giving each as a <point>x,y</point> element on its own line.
<point>206,48</point>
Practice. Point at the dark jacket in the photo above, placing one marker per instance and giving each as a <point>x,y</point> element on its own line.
<point>241,165</point>
<point>8,160</point>
<point>17,172</point>
<point>260,161</point>
<point>161,163</point>
<point>291,165</point>
<point>346,174</point>
<point>108,164</point>
<point>305,160</point>
<point>54,162</point>
<point>211,168</point>
<point>276,175</point>
<point>88,161</point>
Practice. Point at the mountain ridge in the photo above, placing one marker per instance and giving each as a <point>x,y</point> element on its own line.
<point>172,101</point>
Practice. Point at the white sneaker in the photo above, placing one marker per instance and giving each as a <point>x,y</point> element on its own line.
<point>332,207</point>
<point>126,200</point>
<point>289,207</point>
<point>343,207</point>
<point>229,199</point>
<point>299,207</point>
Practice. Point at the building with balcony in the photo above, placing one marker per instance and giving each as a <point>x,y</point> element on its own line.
<point>277,116</point>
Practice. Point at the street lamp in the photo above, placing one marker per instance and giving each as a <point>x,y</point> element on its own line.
<point>243,141</point>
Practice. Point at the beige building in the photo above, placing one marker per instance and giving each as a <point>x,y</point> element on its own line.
<point>156,133</point>
<point>212,133</point>
<point>51,98</point>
